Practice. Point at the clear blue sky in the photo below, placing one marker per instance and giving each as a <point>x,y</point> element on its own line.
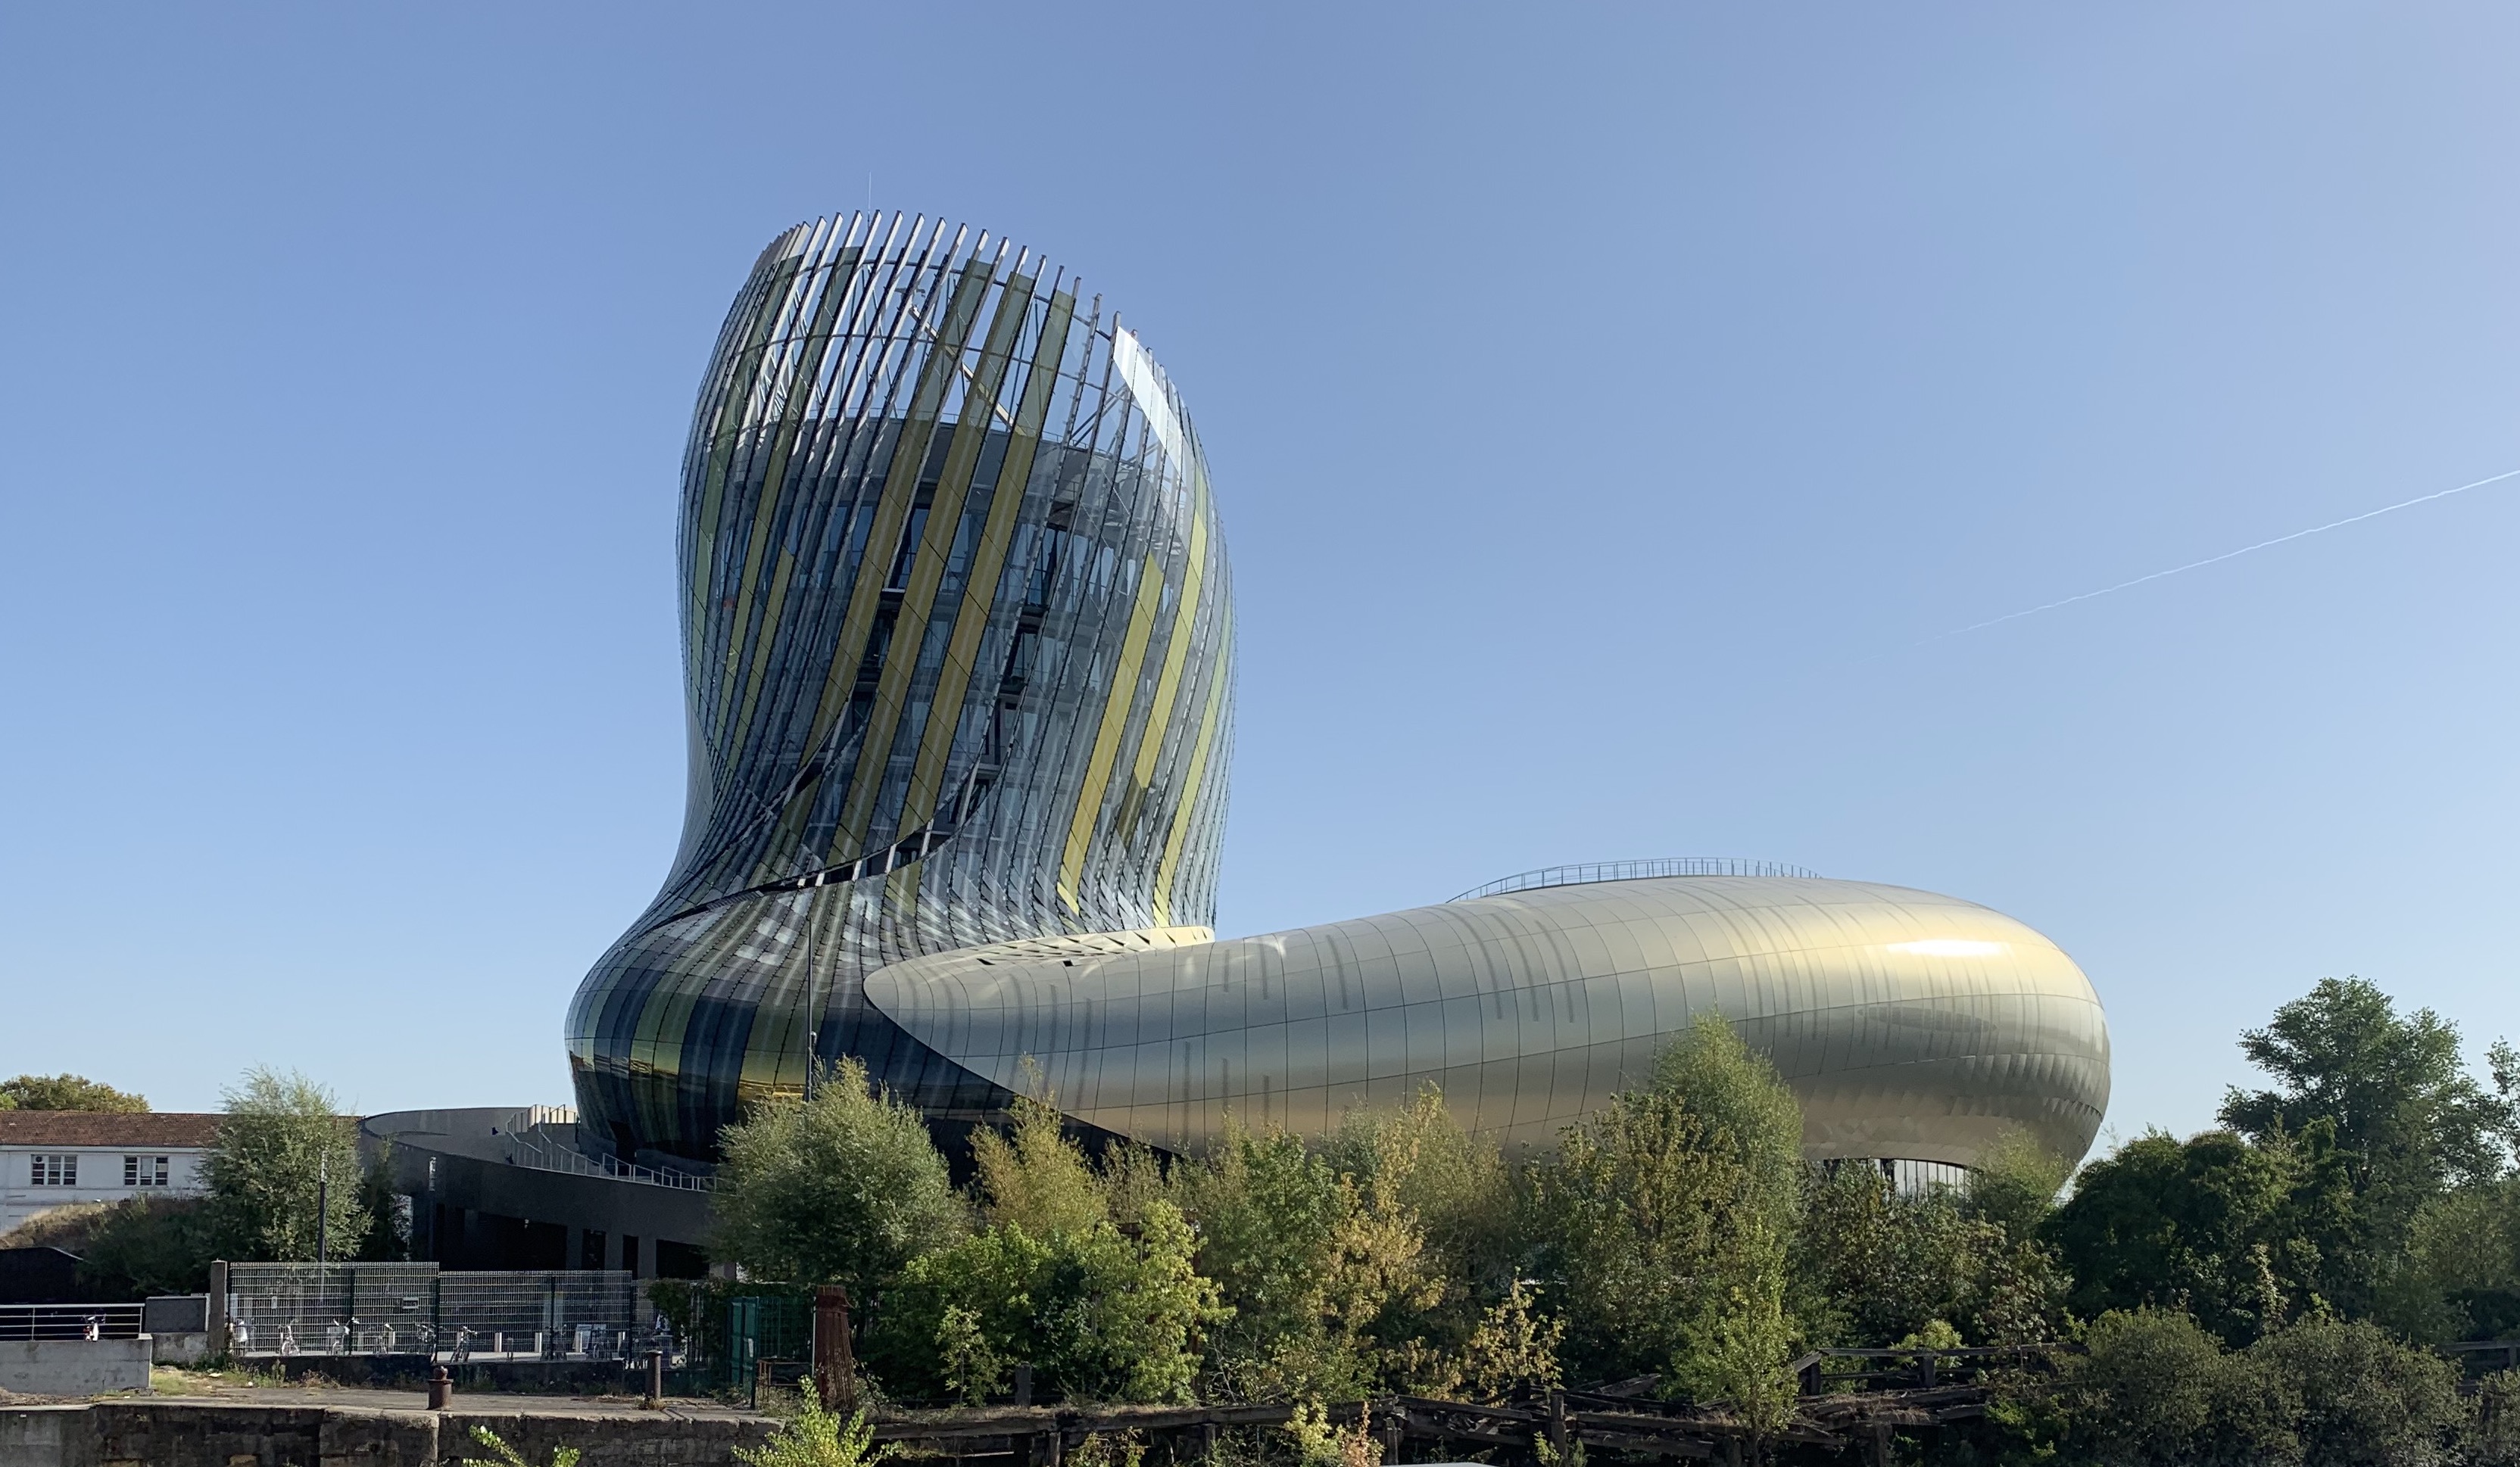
<point>1607,406</point>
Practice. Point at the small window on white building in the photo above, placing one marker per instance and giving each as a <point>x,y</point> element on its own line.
<point>144,1170</point>
<point>54,1172</point>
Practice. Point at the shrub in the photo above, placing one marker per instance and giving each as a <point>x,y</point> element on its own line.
<point>844,1187</point>
<point>818,1437</point>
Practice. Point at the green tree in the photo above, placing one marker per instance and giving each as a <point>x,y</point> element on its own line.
<point>1099,1316</point>
<point>155,1245</point>
<point>1457,1185</point>
<point>2155,1390</point>
<point>2362,1396</point>
<point>1087,1276</point>
<point>1513,1349</point>
<point>1315,1263</point>
<point>2461,1275</point>
<point>1416,1168</point>
<point>2240,1233</point>
<point>1734,1349</point>
<point>66,1093</point>
<point>283,1144</point>
<point>1035,1177</point>
<point>1670,1207</point>
<point>1711,1073</point>
<point>844,1187</point>
<point>1888,1266</point>
<point>2494,1427</point>
<point>2014,1183</point>
<point>2408,1120</point>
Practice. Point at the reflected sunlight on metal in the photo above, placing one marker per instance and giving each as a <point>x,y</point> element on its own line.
<point>1531,1009</point>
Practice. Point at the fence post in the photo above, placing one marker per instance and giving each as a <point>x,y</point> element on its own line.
<point>835,1366</point>
<point>216,1323</point>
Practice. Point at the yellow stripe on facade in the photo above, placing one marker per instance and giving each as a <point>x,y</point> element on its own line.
<point>1194,782</point>
<point>927,566</point>
<point>988,565</point>
<point>1150,743</point>
<point>803,371</point>
<point>1115,721</point>
<point>884,537</point>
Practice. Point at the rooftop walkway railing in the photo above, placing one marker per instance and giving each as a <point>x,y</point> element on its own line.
<point>1632,871</point>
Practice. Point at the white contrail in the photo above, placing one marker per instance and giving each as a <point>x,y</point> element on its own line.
<point>2317,529</point>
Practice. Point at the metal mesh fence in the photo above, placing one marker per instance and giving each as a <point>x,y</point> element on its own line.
<point>414,1308</point>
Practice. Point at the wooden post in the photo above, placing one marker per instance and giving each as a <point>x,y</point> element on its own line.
<point>835,1366</point>
<point>1558,1433</point>
<point>1391,1434</point>
<point>1207,1440</point>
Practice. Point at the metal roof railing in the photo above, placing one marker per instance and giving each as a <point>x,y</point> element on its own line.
<point>531,1147</point>
<point>1632,871</point>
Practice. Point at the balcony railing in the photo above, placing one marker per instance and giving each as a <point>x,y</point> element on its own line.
<point>70,1321</point>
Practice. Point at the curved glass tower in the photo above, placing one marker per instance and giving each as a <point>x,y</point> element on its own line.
<point>957,633</point>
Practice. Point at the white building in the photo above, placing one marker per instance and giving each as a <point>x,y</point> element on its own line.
<point>50,1158</point>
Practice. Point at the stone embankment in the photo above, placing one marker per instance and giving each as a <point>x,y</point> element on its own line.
<point>229,1433</point>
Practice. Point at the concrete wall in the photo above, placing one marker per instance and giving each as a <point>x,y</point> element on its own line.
<point>207,1434</point>
<point>182,1346</point>
<point>73,1367</point>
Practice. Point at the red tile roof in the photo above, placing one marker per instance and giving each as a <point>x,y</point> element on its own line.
<point>93,1128</point>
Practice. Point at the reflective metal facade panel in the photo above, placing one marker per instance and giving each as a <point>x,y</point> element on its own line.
<point>1909,1025</point>
<point>956,630</point>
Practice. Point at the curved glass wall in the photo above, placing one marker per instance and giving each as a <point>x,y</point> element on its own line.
<point>957,632</point>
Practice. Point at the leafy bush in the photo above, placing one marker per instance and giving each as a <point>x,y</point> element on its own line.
<point>844,1187</point>
<point>2363,1396</point>
<point>1669,1214</point>
<point>504,1455</point>
<point>1100,1312</point>
<point>818,1437</point>
<point>150,1245</point>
